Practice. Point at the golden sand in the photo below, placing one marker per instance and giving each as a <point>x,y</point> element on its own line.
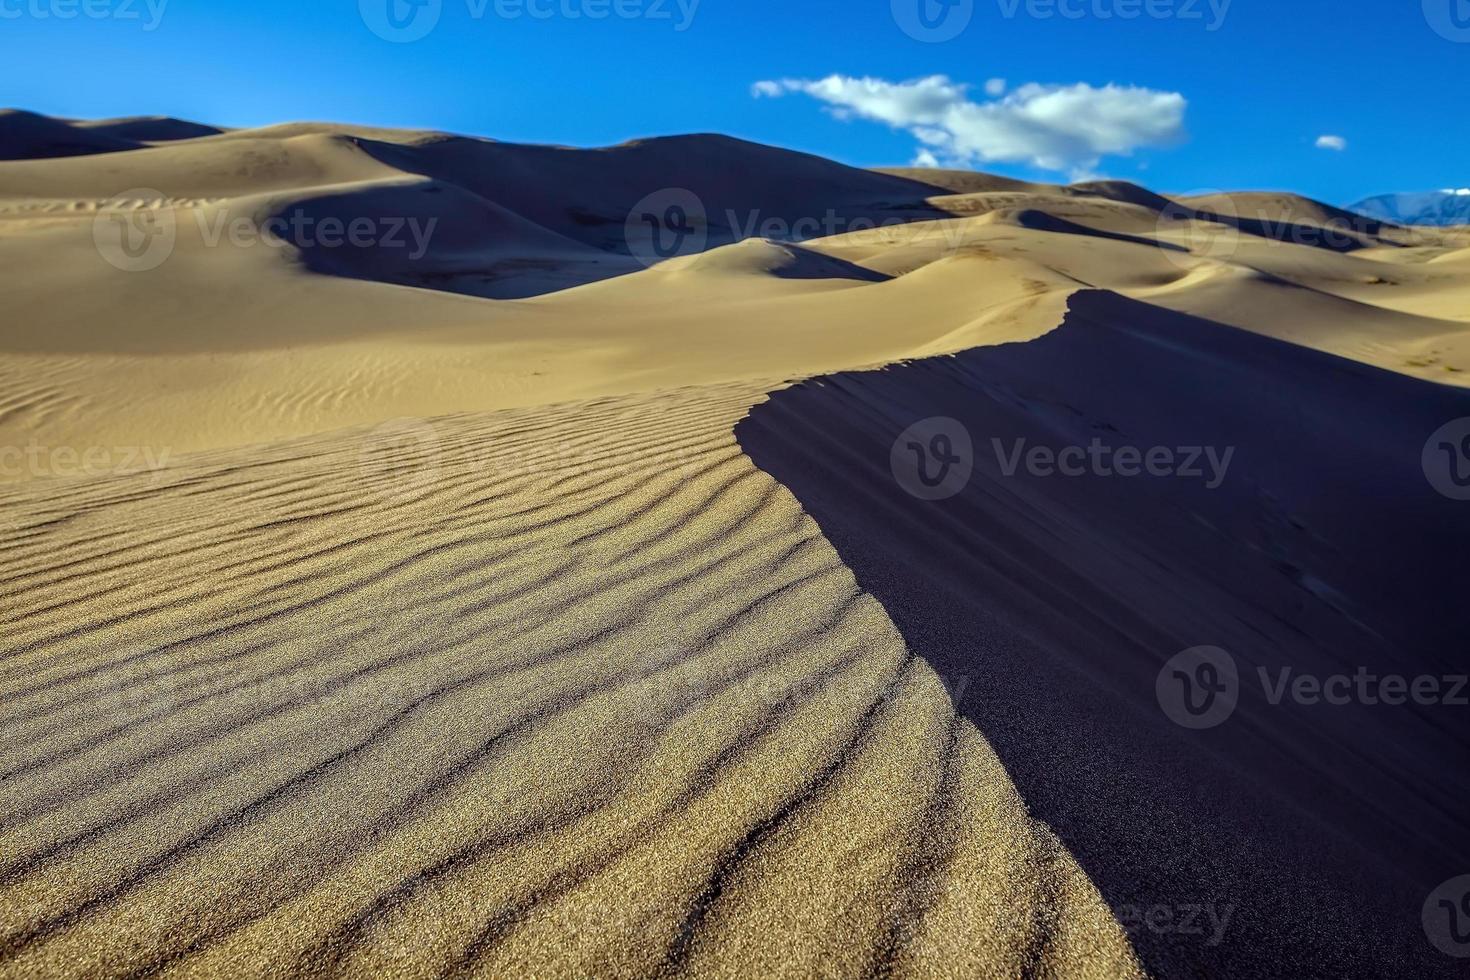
<point>400,631</point>
<point>566,692</point>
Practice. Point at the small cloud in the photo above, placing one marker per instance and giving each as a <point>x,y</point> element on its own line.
<point>1335,143</point>
<point>996,87</point>
<point>767,90</point>
<point>1458,192</point>
<point>926,159</point>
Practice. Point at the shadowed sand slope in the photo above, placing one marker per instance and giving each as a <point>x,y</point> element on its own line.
<point>574,691</point>
<point>28,136</point>
<point>1320,829</point>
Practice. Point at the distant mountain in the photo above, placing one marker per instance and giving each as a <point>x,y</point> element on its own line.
<point>1439,208</point>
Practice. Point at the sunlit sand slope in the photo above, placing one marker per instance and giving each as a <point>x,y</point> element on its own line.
<point>567,692</point>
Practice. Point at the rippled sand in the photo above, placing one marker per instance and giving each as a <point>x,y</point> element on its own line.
<point>433,698</point>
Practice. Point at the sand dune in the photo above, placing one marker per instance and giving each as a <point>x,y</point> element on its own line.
<point>526,600</point>
<point>148,129</point>
<point>1322,828</point>
<point>456,687</point>
<point>27,136</point>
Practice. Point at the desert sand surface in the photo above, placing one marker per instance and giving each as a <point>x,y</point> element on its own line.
<point>519,601</point>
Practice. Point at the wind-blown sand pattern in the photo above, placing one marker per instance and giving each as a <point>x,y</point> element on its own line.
<point>434,699</point>
<point>520,610</point>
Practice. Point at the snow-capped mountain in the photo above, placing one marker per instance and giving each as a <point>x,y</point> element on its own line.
<point>1451,207</point>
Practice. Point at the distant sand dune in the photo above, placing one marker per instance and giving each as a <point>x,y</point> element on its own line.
<point>278,350</point>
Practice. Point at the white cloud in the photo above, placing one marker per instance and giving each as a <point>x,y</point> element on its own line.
<point>1054,127</point>
<point>1458,192</point>
<point>1335,143</point>
<point>926,159</point>
<point>770,90</point>
<point>995,88</point>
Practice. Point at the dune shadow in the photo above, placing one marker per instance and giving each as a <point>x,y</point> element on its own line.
<point>1042,221</point>
<point>811,264</point>
<point>1280,513</point>
<point>602,201</point>
<point>1343,235</point>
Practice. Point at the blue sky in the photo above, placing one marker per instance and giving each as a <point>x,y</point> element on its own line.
<point>1260,80</point>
